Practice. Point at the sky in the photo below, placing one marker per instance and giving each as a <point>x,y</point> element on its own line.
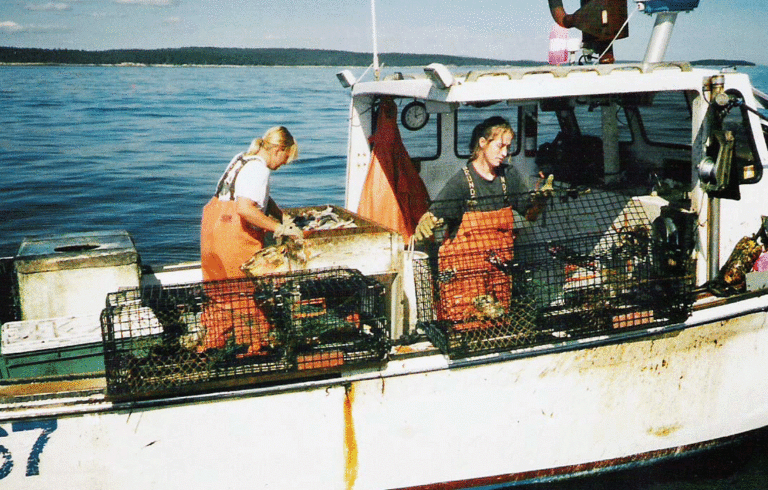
<point>497,29</point>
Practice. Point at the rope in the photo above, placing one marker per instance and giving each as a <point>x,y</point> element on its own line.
<point>615,37</point>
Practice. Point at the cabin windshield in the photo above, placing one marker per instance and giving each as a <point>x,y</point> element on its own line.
<point>469,116</point>
<point>637,140</point>
<point>634,140</point>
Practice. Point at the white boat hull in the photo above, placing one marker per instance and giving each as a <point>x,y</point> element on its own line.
<point>552,412</point>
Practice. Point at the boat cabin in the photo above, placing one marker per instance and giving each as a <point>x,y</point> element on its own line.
<point>657,130</point>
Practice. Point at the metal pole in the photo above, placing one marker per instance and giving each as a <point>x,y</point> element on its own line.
<point>713,220</point>
<point>662,32</point>
<point>611,167</point>
<point>375,47</point>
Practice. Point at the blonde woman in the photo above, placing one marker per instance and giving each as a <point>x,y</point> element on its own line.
<point>241,211</point>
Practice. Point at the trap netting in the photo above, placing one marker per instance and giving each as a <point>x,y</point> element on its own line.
<point>584,262</point>
<point>184,338</point>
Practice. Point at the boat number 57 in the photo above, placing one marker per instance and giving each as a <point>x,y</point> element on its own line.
<point>33,459</point>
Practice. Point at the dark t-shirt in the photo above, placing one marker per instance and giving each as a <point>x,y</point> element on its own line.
<point>455,197</point>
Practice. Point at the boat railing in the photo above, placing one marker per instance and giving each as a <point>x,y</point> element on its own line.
<point>565,71</point>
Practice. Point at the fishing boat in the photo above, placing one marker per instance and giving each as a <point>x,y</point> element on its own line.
<point>626,326</point>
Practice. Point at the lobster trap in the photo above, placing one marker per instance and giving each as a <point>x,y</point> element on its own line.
<point>167,340</point>
<point>591,262</point>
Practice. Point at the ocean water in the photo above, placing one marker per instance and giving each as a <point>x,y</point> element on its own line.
<point>141,149</point>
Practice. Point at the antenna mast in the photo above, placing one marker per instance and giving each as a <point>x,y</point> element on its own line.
<point>666,14</point>
<point>375,48</point>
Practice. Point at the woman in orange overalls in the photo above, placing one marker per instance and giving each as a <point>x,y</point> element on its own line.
<point>476,207</point>
<point>241,211</point>
<point>233,227</point>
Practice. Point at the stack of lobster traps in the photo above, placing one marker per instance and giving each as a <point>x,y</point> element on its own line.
<point>167,340</point>
<point>592,262</point>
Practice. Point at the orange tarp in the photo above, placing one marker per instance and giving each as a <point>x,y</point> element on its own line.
<point>394,194</point>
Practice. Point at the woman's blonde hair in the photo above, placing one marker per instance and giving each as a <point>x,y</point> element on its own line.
<point>276,136</point>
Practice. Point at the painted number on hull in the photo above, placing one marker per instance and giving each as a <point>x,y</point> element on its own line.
<point>33,460</point>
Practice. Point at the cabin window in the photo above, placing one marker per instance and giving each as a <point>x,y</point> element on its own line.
<point>662,115</point>
<point>422,144</point>
<point>467,117</point>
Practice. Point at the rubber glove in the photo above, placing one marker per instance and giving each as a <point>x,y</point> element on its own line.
<point>540,198</point>
<point>426,226</point>
<point>547,189</point>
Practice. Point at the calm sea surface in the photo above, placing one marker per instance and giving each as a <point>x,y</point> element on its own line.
<point>141,149</point>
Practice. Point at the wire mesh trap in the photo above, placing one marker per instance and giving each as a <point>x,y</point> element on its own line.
<point>590,263</point>
<point>192,337</point>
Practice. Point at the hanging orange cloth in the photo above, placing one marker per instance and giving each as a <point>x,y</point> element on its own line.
<point>394,194</point>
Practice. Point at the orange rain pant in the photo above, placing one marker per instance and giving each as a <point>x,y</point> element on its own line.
<point>225,244</point>
<point>469,273</point>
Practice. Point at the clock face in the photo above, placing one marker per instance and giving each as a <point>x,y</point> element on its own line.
<point>414,116</point>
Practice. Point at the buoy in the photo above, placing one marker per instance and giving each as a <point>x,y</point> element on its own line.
<point>558,45</point>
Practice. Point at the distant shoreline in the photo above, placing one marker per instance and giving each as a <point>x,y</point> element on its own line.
<point>243,57</point>
<point>194,56</point>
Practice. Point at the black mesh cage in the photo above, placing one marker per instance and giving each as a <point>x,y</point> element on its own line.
<point>192,337</point>
<point>527,269</point>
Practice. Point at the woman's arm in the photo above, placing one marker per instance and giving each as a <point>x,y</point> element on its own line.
<point>251,213</point>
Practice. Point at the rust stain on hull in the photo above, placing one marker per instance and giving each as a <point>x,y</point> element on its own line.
<point>350,441</point>
<point>664,431</point>
<point>652,354</point>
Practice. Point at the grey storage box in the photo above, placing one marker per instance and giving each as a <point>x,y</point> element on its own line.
<point>71,274</point>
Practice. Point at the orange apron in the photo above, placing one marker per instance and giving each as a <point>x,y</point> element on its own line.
<point>467,276</point>
<point>230,314</point>
<point>226,241</point>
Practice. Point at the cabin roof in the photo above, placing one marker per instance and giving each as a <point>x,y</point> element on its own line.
<point>532,83</point>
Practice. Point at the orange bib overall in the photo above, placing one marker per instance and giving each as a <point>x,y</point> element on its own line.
<point>466,274</point>
<point>226,242</point>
